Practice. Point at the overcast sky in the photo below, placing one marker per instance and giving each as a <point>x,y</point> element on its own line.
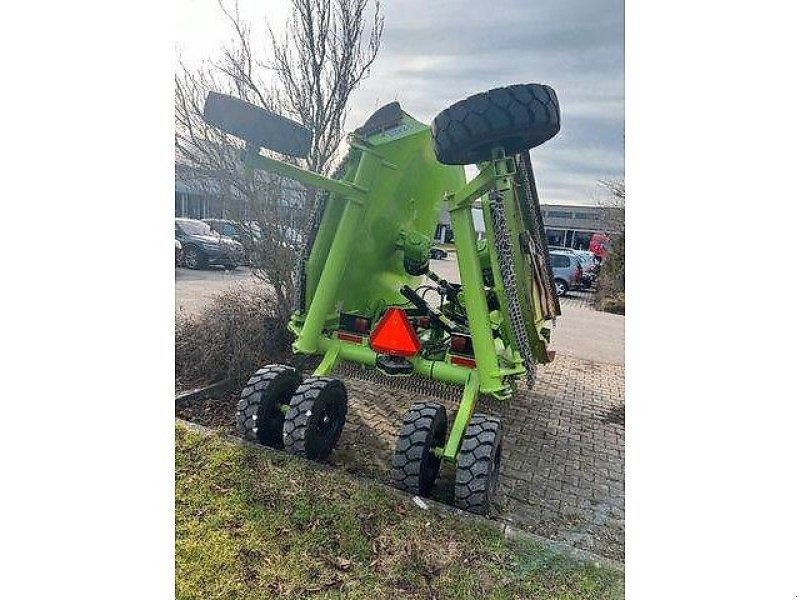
<point>435,52</point>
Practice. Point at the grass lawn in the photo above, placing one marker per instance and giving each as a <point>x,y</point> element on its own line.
<point>255,524</point>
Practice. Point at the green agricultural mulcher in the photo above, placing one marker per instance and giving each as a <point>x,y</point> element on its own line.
<point>367,257</point>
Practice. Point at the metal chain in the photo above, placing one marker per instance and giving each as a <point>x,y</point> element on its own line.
<point>502,242</point>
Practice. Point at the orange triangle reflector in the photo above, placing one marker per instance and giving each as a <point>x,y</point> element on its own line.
<point>394,335</point>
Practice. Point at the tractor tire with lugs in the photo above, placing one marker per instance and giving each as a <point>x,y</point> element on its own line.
<point>259,417</point>
<point>315,419</point>
<point>516,117</point>
<point>414,465</point>
<point>478,464</point>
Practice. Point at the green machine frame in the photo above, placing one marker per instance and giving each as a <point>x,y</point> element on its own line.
<point>489,376</point>
<point>369,248</point>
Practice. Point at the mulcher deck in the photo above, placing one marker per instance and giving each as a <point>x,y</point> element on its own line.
<point>367,302</point>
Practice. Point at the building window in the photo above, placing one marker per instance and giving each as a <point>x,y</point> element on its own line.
<point>559,214</point>
<point>581,240</point>
<point>555,237</point>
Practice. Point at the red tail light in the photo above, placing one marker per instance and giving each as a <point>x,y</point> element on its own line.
<point>394,335</point>
<point>463,361</point>
<point>348,337</point>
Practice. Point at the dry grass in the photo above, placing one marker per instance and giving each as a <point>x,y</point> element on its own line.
<point>237,333</point>
<point>256,524</point>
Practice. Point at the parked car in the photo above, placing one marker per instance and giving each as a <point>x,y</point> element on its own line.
<point>203,247</point>
<point>438,254</point>
<point>567,270</point>
<point>245,233</point>
<point>241,232</point>
<point>178,253</point>
<point>589,264</point>
<point>283,235</point>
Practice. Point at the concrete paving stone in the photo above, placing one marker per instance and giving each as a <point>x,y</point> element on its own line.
<point>563,466</point>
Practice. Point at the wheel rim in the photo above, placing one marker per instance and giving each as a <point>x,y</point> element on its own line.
<point>560,289</point>
<point>328,424</point>
<point>191,258</point>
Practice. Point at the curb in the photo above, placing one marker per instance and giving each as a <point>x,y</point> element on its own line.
<point>203,392</point>
<point>509,532</point>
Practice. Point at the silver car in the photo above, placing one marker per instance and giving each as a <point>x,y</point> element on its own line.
<point>567,270</point>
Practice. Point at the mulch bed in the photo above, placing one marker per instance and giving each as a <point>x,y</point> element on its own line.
<point>216,411</point>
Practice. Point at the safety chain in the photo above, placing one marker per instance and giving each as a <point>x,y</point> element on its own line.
<point>502,242</point>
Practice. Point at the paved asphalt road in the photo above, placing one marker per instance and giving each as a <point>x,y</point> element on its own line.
<point>580,331</point>
<point>194,289</point>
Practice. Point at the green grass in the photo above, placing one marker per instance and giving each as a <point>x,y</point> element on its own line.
<point>255,524</point>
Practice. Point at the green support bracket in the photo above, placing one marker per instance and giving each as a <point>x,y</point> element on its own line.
<point>254,160</point>
<point>476,188</point>
<point>330,360</point>
<point>464,414</point>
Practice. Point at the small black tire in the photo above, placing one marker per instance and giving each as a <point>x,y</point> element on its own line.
<point>478,464</point>
<point>414,465</point>
<point>259,417</point>
<point>561,287</point>
<point>194,258</point>
<point>316,416</point>
<point>516,117</point>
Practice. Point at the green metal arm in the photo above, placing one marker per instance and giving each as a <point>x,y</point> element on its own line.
<point>476,188</point>
<point>254,160</point>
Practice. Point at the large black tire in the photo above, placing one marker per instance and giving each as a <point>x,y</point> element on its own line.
<point>259,417</point>
<point>316,417</point>
<point>194,258</point>
<point>478,464</point>
<point>517,117</point>
<point>414,465</point>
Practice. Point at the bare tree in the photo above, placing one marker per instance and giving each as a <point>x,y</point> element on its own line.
<point>309,76</point>
<point>611,281</point>
<point>323,57</point>
<point>613,202</point>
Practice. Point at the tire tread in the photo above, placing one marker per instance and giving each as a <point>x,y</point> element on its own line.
<point>418,425</point>
<point>518,117</point>
<point>249,402</point>
<point>474,464</point>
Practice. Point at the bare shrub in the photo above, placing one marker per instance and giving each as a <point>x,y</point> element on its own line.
<point>239,332</point>
<point>611,278</point>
